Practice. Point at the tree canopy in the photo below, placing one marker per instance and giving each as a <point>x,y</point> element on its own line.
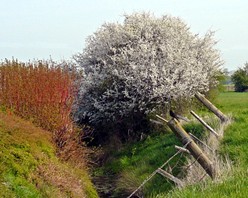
<point>142,63</point>
<point>240,79</point>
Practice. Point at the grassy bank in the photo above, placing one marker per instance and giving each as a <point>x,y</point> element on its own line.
<point>127,168</point>
<point>235,145</point>
<point>29,166</point>
<point>130,166</point>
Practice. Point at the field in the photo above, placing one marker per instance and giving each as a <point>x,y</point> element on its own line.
<point>130,166</point>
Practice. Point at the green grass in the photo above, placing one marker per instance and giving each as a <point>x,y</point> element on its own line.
<point>130,166</point>
<point>136,161</point>
<point>235,145</point>
<point>235,141</point>
<point>233,186</point>
<point>29,166</point>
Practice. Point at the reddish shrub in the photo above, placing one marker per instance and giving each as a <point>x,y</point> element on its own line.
<point>41,91</point>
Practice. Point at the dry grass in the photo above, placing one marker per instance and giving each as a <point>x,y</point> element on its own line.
<point>221,164</point>
<point>62,178</point>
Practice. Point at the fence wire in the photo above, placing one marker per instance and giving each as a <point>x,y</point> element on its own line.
<point>154,172</point>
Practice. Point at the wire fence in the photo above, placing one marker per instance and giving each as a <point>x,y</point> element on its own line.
<point>161,167</point>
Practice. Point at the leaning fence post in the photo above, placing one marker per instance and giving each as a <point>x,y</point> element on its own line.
<point>211,107</point>
<point>181,149</point>
<point>192,147</point>
<point>170,177</point>
<point>204,124</point>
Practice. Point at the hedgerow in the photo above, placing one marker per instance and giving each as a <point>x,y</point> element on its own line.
<point>132,68</point>
<point>41,91</point>
<point>44,92</point>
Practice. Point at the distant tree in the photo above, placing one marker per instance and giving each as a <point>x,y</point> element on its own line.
<point>130,69</point>
<point>240,79</point>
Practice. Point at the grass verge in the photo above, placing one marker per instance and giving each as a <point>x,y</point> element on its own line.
<point>128,167</point>
<point>29,166</point>
<point>234,144</point>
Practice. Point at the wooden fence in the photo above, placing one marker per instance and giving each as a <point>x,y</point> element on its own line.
<point>189,144</point>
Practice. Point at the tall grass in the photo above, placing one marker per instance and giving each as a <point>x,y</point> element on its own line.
<point>233,144</point>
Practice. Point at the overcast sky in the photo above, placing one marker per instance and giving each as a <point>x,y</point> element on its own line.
<point>58,28</point>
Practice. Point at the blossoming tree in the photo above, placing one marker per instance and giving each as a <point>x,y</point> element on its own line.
<point>140,64</point>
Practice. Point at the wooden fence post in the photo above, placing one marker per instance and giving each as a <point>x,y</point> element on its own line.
<point>192,147</point>
<point>204,124</point>
<point>170,176</point>
<point>184,150</point>
<point>211,107</point>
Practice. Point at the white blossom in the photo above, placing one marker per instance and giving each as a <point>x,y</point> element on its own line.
<point>141,64</point>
